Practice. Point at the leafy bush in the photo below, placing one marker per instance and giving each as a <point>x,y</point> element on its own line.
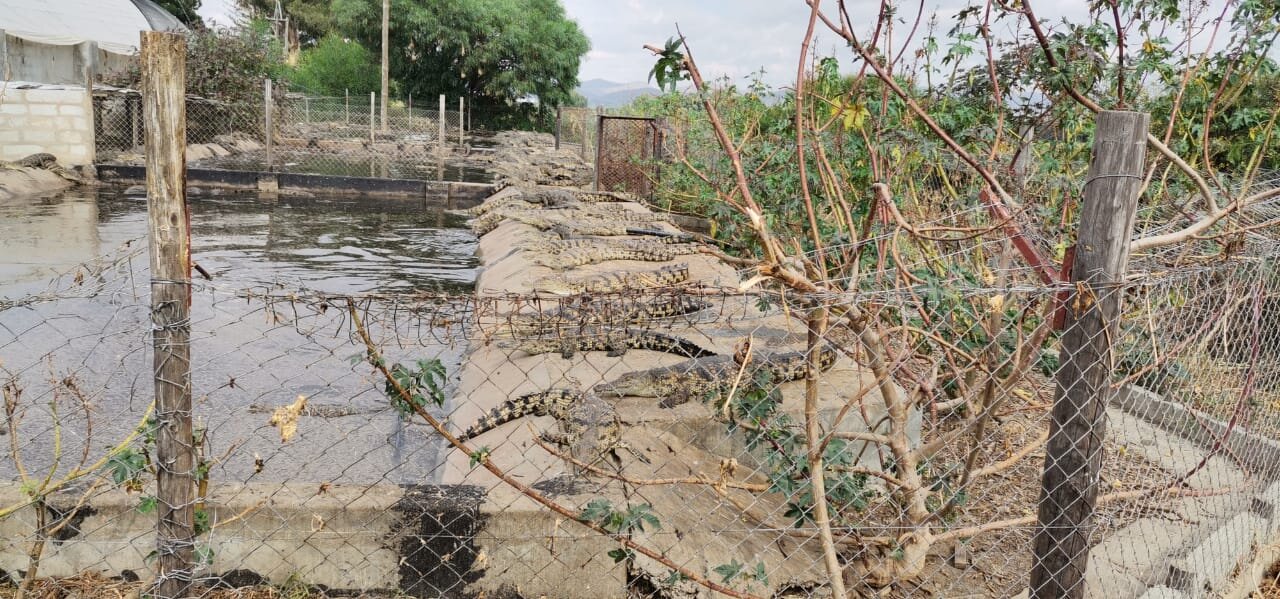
<point>336,65</point>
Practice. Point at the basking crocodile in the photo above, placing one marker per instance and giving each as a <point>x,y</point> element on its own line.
<point>606,252</point>
<point>701,378</point>
<point>578,220</point>
<point>614,341</point>
<point>42,160</point>
<point>589,425</point>
<point>553,402</point>
<point>587,312</point>
<point>611,282</point>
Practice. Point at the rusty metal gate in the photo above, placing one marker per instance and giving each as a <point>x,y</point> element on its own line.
<point>627,154</point>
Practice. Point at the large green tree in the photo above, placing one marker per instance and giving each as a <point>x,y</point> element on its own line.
<point>516,60</point>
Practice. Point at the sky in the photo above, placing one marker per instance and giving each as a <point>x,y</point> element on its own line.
<point>728,37</point>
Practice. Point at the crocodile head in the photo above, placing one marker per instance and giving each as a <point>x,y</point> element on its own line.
<point>644,383</point>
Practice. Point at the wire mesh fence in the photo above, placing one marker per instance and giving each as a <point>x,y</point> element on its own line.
<point>343,136</point>
<point>654,431</point>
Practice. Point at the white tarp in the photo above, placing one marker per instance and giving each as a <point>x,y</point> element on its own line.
<point>114,24</point>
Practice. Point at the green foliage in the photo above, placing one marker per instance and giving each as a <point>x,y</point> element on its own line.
<point>312,18</point>
<point>479,456</point>
<point>225,65</point>
<point>632,519</point>
<point>185,11</point>
<point>424,382</point>
<point>734,570</point>
<point>669,69</point>
<point>501,54</point>
<point>335,65</point>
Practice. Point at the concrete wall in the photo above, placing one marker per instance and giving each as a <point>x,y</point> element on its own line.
<point>53,120</point>
<point>25,60</point>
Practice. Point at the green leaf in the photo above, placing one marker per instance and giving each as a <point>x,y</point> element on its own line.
<point>147,504</point>
<point>479,456</point>
<point>728,571</point>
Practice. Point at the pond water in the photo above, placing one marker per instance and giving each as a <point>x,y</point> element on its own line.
<point>271,325</point>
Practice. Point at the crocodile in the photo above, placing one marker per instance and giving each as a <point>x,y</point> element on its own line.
<point>605,253</point>
<point>700,378</point>
<point>614,341</point>
<point>553,402</point>
<point>579,415</point>
<point>555,246</point>
<point>616,281</point>
<point>584,312</point>
<point>574,220</point>
<point>42,160</point>
<point>320,410</point>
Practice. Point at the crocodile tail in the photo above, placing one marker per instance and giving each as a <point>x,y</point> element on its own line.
<point>537,404</point>
<point>670,344</point>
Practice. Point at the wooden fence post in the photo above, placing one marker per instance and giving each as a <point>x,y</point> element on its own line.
<point>559,120</point>
<point>164,110</point>
<point>462,132</point>
<point>268,121</point>
<point>443,132</point>
<point>1077,429</point>
<point>373,100</point>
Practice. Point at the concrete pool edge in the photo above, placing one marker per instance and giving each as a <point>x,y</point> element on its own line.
<point>451,194</point>
<point>24,182</point>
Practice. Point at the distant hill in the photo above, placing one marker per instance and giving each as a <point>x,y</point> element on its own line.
<point>611,94</point>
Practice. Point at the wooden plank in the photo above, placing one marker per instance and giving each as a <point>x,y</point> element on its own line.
<point>164,113</point>
<point>1078,426</point>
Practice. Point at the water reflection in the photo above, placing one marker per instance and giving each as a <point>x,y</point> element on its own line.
<point>338,245</point>
<point>250,354</point>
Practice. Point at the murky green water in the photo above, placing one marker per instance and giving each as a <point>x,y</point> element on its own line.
<point>338,245</point>
<point>273,324</point>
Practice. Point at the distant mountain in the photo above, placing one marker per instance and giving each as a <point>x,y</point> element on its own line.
<point>611,94</point>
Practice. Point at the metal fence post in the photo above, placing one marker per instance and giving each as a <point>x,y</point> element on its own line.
<point>1073,456</point>
<point>373,101</point>
<point>268,124</point>
<point>440,115</point>
<point>462,133</point>
<point>306,108</point>
<point>559,116</point>
<point>599,144</point>
<point>410,111</point>
<point>346,106</point>
<point>164,108</point>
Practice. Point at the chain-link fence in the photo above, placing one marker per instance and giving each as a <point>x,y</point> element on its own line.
<point>342,136</point>
<point>575,129</point>
<point>652,432</point>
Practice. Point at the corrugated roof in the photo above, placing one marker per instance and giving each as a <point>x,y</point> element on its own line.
<point>114,24</point>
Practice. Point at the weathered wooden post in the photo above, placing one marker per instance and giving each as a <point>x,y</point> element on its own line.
<point>373,100</point>
<point>268,123</point>
<point>1077,430</point>
<point>88,53</point>
<point>440,117</point>
<point>559,130</point>
<point>164,108</point>
<point>462,133</point>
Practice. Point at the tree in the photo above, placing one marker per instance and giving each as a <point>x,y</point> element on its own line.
<point>336,64</point>
<point>185,11</point>
<point>310,18</point>
<point>515,60</point>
